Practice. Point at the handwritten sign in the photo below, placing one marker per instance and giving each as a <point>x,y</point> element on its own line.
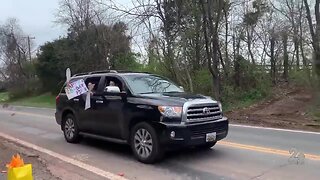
<point>76,88</point>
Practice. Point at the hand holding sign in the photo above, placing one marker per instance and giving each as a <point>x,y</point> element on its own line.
<point>77,88</point>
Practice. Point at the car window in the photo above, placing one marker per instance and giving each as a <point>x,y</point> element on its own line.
<point>113,81</point>
<point>93,80</point>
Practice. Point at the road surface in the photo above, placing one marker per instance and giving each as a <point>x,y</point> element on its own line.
<point>247,152</point>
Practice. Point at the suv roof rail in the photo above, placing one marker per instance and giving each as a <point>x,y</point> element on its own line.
<point>107,71</point>
<point>103,71</point>
<point>79,74</point>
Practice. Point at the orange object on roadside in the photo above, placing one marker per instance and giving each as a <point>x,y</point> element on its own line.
<point>17,170</point>
<point>16,161</point>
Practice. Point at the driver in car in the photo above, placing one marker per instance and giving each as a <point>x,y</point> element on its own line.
<point>112,87</point>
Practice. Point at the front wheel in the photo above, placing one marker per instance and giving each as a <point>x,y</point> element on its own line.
<point>145,143</point>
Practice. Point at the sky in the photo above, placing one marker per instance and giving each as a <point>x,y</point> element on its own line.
<point>36,18</point>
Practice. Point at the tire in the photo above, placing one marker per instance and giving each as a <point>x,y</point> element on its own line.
<point>207,146</point>
<point>70,129</point>
<point>145,143</point>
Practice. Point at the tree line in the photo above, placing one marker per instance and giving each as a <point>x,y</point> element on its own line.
<point>228,49</point>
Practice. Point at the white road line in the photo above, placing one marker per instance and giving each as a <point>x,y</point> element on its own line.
<point>74,162</point>
<point>234,125</point>
<point>274,129</point>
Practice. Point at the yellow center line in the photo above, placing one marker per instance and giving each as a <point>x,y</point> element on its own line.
<point>265,150</point>
<point>224,143</point>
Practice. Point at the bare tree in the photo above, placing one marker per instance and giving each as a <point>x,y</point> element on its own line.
<point>315,32</point>
<point>13,52</point>
<point>79,15</point>
<point>285,54</point>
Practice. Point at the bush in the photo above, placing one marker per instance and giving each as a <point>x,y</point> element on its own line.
<point>24,88</point>
<point>202,82</point>
<point>255,84</point>
<point>24,84</point>
<point>302,78</point>
<point>127,62</point>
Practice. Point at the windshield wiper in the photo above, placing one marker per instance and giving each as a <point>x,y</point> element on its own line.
<point>148,93</point>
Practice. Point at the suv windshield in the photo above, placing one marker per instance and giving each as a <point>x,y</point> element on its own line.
<point>145,84</point>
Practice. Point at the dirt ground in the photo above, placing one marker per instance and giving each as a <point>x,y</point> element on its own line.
<point>7,149</point>
<point>287,108</point>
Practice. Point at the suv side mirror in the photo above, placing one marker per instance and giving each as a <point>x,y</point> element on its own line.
<point>181,87</point>
<point>112,89</point>
<point>115,93</point>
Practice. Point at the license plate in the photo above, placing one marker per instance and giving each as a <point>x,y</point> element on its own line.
<point>211,137</point>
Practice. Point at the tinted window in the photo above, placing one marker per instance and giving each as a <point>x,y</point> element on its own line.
<point>93,80</point>
<point>143,84</point>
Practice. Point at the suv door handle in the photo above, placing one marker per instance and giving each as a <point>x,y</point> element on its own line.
<point>76,100</point>
<point>99,102</point>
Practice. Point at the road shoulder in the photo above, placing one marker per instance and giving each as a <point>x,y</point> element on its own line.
<point>8,149</point>
<point>45,167</point>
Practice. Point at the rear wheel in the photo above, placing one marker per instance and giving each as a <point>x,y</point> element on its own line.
<point>145,143</point>
<point>70,129</point>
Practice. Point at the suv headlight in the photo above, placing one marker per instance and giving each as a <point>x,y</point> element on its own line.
<point>220,106</point>
<point>170,111</point>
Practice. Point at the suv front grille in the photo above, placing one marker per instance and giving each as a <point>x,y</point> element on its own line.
<point>203,112</point>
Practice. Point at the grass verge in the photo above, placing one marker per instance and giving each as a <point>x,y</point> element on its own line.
<point>44,100</point>
<point>4,96</point>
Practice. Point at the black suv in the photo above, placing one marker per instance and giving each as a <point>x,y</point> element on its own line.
<point>146,111</point>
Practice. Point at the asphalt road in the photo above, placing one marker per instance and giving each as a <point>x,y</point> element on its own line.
<point>247,153</point>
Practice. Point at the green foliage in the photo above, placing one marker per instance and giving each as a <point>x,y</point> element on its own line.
<point>4,96</point>
<point>237,98</point>
<point>202,82</point>
<point>155,66</point>
<point>254,86</point>
<point>251,77</point>
<point>52,62</point>
<point>27,88</point>
<point>314,109</point>
<point>301,78</point>
<point>127,62</point>
<point>97,48</point>
<point>27,84</point>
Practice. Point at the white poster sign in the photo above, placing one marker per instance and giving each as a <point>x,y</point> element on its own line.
<point>76,88</point>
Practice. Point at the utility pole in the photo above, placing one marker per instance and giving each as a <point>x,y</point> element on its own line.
<point>29,46</point>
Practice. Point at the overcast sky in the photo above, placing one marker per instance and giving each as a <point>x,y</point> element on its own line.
<point>36,17</point>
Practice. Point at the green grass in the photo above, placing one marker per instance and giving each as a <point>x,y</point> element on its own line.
<point>317,116</point>
<point>246,100</point>
<point>4,96</point>
<point>45,100</point>
<point>240,104</point>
